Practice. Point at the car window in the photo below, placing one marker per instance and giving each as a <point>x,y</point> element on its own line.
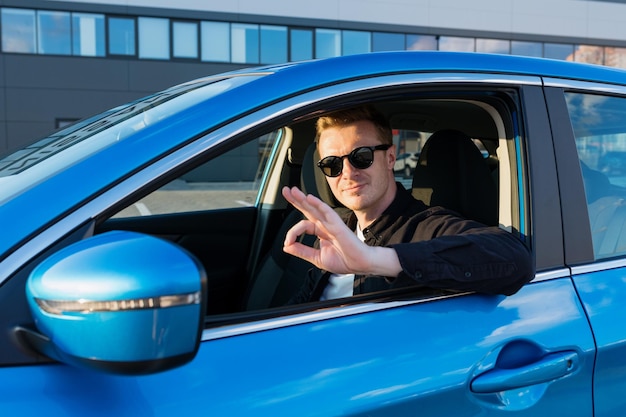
<point>599,124</point>
<point>233,179</point>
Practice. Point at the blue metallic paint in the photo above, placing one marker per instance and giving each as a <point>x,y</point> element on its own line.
<point>412,360</point>
<point>111,267</point>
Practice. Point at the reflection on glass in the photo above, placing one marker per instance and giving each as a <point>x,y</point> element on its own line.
<point>560,51</point>
<point>215,41</point>
<point>54,33</point>
<point>273,44</point>
<point>387,41</point>
<point>121,36</point>
<point>493,46</point>
<point>615,57</point>
<point>87,34</point>
<point>421,43</point>
<point>453,43</point>
<point>589,54</point>
<point>327,43</point>
<point>355,42</point>
<point>185,40</point>
<point>18,31</point>
<point>245,43</point>
<point>527,48</point>
<point>154,38</point>
<point>301,48</point>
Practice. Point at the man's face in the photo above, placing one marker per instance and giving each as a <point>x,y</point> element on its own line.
<point>367,190</point>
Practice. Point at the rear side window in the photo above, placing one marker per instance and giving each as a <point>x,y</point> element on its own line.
<point>599,124</point>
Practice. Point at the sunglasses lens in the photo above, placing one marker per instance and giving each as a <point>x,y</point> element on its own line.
<point>331,166</point>
<point>361,158</point>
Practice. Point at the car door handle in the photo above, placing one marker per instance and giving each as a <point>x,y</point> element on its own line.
<point>548,368</point>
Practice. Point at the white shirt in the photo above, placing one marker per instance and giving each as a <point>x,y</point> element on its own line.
<point>341,285</point>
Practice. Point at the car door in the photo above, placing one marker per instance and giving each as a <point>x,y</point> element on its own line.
<point>590,119</point>
<point>389,354</point>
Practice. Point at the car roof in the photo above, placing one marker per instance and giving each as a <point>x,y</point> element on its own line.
<point>378,63</point>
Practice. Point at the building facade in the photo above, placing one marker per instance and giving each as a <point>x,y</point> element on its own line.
<point>65,60</point>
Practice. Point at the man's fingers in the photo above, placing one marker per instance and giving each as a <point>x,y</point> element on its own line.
<point>300,228</point>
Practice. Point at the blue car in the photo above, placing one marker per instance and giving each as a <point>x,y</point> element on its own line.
<point>142,271</point>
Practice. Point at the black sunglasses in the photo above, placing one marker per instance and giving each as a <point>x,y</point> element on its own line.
<point>360,158</point>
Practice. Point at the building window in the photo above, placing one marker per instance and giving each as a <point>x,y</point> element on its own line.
<point>327,43</point>
<point>355,42</point>
<point>87,34</point>
<point>453,43</point>
<point>493,46</point>
<point>615,57</point>
<point>54,35</point>
<point>589,54</point>
<point>558,51</point>
<point>244,43</point>
<point>121,36</point>
<point>421,43</point>
<point>215,41</point>
<point>273,44</point>
<point>527,48</point>
<point>301,44</point>
<point>154,38</point>
<point>185,39</point>
<point>388,41</point>
<point>18,31</point>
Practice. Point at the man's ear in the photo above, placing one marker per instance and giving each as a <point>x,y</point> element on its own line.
<point>391,155</point>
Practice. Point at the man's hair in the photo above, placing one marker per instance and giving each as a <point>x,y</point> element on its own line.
<point>345,117</point>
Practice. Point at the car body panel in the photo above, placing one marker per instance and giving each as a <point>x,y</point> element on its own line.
<point>378,363</point>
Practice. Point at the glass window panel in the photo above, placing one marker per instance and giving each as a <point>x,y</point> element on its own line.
<point>327,43</point>
<point>87,34</point>
<point>121,36</point>
<point>523,48</point>
<point>421,43</point>
<point>230,180</point>
<point>453,43</point>
<point>589,54</point>
<point>54,33</point>
<point>154,38</point>
<point>387,41</point>
<point>185,39</point>
<point>18,31</point>
<point>493,46</point>
<point>244,43</point>
<point>354,42</point>
<point>301,47</point>
<point>273,44</point>
<point>558,51</point>
<point>599,124</point>
<point>615,57</point>
<point>215,41</point>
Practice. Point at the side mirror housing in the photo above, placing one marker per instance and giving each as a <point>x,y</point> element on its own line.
<point>119,302</point>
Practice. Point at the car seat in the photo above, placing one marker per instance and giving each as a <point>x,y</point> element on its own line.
<point>451,172</point>
<point>281,275</point>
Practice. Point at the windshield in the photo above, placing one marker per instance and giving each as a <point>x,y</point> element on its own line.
<point>30,165</point>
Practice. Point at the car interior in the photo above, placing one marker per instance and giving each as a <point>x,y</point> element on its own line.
<point>467,163</point>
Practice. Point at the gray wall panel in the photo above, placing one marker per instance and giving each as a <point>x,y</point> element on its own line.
<point>40,71</point>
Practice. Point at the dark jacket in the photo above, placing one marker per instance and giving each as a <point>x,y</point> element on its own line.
<point>437,249</point>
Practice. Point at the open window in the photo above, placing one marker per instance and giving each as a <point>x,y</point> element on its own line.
<point>228,210</point>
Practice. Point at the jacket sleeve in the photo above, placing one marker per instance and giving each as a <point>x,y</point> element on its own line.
<point>466,256</point>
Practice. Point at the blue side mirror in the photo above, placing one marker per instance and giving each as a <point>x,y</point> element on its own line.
<point>120,302</point>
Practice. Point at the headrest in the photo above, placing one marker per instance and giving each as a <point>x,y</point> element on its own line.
<point>451,172</point>
<point>312,180</point>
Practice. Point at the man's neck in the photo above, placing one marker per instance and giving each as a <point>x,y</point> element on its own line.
<point>367,217</point>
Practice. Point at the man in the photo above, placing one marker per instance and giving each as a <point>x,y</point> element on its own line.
<point>384,238</point>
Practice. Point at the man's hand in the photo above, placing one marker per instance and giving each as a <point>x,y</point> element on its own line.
<point>340,251</point>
